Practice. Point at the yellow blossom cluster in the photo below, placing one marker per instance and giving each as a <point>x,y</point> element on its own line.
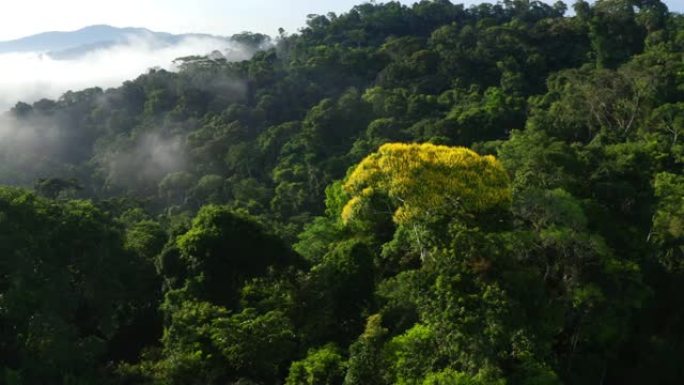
<point>425,179</point>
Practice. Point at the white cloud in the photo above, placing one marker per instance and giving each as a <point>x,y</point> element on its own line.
<point>34,75</point>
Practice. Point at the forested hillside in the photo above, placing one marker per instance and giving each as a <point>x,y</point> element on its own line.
<point>415,195</point>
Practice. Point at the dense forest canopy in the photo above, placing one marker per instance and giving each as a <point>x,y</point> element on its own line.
<point>414,195</point>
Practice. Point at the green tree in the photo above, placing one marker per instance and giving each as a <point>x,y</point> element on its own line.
<point>324,366</point>
<point>223,248</point>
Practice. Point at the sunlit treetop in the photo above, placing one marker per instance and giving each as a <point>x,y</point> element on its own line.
<point>426,179</point>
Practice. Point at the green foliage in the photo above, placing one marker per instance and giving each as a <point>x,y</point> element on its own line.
<point>450,377</point>
<point>323,366</point>
<point>206,344</point>
<point>366,363</point>
<point>337,293</point>
<point>407,354</point>
<point>308,209</point>
<point>65,288</point>
<point>223,248</point>
<point>668,221</point>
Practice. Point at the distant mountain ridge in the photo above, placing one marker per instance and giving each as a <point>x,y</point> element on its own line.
<point>68,44</point>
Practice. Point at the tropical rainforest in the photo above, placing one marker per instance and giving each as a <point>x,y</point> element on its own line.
<point>430,194</point>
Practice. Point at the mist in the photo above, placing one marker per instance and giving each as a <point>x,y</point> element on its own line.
<point>40,146</point>
<point>33,148</point>
<point>31,76</point>
<point>144,160</point>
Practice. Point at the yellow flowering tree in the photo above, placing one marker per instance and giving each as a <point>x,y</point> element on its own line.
<point>425,179</point>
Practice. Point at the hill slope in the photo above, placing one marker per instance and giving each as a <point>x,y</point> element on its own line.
<point>413,195</point>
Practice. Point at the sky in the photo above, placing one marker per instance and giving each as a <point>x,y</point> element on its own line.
<point>219,17</point>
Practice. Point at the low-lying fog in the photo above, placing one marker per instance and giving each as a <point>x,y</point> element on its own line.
<point>32,76</point>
